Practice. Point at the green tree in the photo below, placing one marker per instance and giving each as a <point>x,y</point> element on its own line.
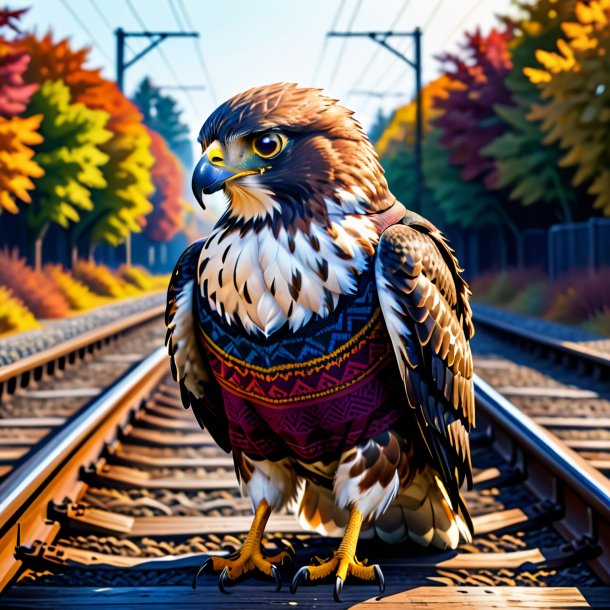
<point>70,157</point>
<point>468,205</point>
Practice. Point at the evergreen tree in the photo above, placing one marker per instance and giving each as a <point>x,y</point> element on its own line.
<point>162,114</point>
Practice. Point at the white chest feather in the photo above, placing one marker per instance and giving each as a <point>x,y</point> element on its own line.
<point>265,281</point>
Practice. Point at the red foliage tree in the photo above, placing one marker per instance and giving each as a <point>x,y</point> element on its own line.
<point>165,220</point>
<point>14,93</point>
<point>468,121</point>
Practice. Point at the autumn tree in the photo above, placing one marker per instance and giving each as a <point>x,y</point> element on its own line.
<point>17,134</point>
<point>396,146</point>
<point>70,157</point>
<point>468,121</point>
<point>575,92</point>
<point>165,221</point>
<point>119,208</point>
<point>527,167</point>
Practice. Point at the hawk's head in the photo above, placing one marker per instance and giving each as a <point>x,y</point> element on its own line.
<point>290,156</point>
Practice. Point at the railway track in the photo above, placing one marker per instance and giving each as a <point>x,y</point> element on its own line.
<point>131,496</point>
<point>39,394</point>
<point>564,385</point>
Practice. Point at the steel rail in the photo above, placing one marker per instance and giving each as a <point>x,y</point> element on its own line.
<point>52,471</point>
<point>21,371</point>
<point>552,470</point>
<point>592,358</point>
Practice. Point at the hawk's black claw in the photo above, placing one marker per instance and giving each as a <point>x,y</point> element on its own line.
<point>222,581</point>
<point>202,568</point>
<point>301,576</point>
<point>379,577</point>
<point>278,578</point>
<point>338,588</point>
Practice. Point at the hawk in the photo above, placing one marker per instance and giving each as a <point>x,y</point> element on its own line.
<point>320,332</point>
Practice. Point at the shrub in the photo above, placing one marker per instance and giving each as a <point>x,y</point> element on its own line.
<point>501,288</point>
<point>79,297</point>
<point>138,277</point>
<point>600,323</point>
<point>533,300</point>
<point>102,281</point>
<point>14,315</point>
<point>38,292</point>
<point>581,296</point>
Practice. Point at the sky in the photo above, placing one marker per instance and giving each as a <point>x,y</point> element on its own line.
<point>249,43</point>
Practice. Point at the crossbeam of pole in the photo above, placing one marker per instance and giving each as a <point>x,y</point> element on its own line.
<point>156,38</point>
<point>381,38</point>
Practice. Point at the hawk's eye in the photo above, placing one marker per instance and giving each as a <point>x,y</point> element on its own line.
<point>268,145</point>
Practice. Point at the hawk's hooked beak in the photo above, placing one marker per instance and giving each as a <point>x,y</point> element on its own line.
<point>211,173</point>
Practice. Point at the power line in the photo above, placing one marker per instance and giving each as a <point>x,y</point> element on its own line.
<point>375,53</point>
<point>80,22</point>
<point>325,43</point>
<point>344,45</point>
<point>176,15</point>
<point>199,53</point>
<point>101,15</point>
<point>463,20</point>
<point>166,61</point>
<point>403,72</point>
<point>433,13</point>
<point>384,39</point>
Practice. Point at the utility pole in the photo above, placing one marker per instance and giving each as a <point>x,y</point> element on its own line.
<point>156,38</point>
<point>381,38</point>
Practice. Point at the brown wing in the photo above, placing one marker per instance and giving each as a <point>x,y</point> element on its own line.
<point>198,386</point>
<point>424,302</point>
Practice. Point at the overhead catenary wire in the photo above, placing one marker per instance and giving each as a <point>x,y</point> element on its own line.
<point>85,29</point>
<point>460,23</point>
<point>176,14</point>
<point>166,61</point>
<point>453,32</point>
<point>325,42</point>
<point>425,29</point>
<point>344,42</point>
<point>107,23</point>
<point>199,53</point>
<point>378,48</point>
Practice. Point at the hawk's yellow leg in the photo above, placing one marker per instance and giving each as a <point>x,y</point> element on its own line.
<point>343,563</point>
<point>250,557</point>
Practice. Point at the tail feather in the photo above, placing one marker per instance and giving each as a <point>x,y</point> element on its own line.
<point>428,516</point>
<point>318,511</point>
<point>422,512</point>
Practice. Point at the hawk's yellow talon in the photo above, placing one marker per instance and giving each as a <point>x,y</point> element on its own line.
<point>343,563</point>
<point>250,557</point>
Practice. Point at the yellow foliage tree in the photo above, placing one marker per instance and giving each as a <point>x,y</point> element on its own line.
<point>575,80</point>
<point>400,132</point>
<point>17,167</point>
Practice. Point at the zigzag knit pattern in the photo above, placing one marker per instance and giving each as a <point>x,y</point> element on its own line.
<point>310,394</point>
